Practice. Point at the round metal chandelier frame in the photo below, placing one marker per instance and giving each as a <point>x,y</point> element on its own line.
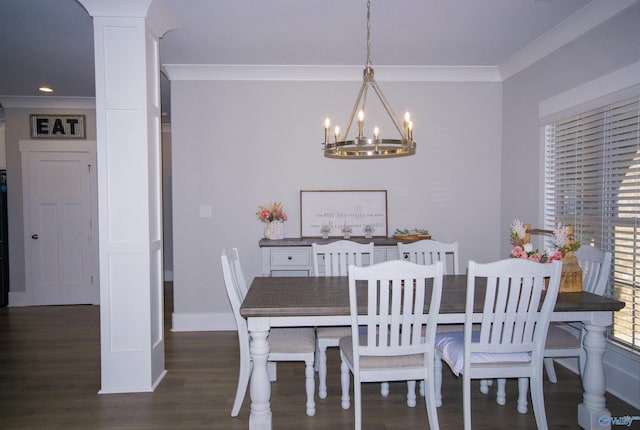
<point>362,147</point>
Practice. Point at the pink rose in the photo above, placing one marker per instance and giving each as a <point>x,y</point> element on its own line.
<point>555,256</point>
<point>535,257</point>
<point>518,252</point>
<point>264,214</point>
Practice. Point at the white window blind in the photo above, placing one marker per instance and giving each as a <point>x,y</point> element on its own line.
<point>592,182</point>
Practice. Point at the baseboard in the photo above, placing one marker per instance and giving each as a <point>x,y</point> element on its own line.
<point>18,298</point>
<point>622,373</point>
<point>202,322</point>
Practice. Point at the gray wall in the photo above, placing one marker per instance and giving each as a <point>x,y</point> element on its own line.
<point>240,144</point>
<point>609,47</point>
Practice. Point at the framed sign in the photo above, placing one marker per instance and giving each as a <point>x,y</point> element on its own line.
<point>58,126</point>
<point>330,211</point>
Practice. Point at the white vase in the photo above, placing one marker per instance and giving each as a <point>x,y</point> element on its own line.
<point>267,231</point>
<point>276,230</point>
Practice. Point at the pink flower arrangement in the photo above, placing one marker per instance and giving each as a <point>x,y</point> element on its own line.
<point>526,251</point>
<point>271,212</point>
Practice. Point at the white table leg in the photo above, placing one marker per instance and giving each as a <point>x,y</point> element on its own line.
<point>592,412</point>
<point>259,385</point>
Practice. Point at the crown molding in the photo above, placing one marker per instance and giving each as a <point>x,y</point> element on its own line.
<point>235,72</point>
<point>588,17</point>
<point>622,83</point>
<point>47,102</point>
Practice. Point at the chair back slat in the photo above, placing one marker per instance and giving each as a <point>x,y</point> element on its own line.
<point>429,252</point>
<point>396,294</point>
<point>514,316</point>
<point>333,259</point>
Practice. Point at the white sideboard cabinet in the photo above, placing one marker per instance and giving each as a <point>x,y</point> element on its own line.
<point>292,256</point>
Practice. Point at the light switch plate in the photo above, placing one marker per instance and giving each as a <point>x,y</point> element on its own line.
<point>205,211</point>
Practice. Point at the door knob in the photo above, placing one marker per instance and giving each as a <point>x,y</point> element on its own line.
<point>34,236</point>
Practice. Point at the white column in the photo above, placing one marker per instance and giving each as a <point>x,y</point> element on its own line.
<point>129,195</point>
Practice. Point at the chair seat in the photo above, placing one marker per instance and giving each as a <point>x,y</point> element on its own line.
<point>384,361</point>
<point>292,340</point>
<point>451,345</point>
<point>333,332</point>
<point>559,338</point>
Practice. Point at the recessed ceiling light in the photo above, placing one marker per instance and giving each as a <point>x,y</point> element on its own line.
<point>45,89</point>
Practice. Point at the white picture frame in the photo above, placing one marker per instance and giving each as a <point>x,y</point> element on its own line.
<point>334,209</point>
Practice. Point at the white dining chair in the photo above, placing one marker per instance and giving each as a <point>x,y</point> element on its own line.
<point>513,320</point>
<point>564,340</point>
<point>393,348</point>
<point>430,251</point>
<point>285,344</point>
<point>333,259</point>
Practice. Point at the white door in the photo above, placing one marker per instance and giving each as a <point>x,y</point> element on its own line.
<point>60,225</point>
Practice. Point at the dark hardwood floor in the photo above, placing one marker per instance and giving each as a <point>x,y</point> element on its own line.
<point>50,377</point>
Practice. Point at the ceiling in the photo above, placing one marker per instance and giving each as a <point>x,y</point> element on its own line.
<point>51,42</point>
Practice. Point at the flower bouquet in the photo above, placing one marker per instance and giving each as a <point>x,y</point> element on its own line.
<point>274,216</point>
<point>563,248</point>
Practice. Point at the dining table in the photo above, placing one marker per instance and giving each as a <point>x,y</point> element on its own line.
<point>280,301</point>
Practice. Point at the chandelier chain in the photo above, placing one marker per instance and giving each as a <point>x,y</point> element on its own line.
<point>368,33</point>
<point>362,146</point>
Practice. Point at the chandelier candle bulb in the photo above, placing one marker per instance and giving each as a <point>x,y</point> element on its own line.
<point>361,123</point>
<point>376,132</point>
<point>337,134</point>
<point>327,126</point>
<point>407,118</point>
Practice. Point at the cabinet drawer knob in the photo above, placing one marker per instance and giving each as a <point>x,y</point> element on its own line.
<point>289,258</point>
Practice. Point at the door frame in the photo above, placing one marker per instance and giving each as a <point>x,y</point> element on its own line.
<point>25,298</point>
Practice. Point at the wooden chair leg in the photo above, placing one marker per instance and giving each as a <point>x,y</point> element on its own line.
<point>437,381</point>
<point>384,389</point>
<point>523,386</point>
<point>485,384</point>
<point>322,371</point>
<point>501,395</point>
<point>429,398</point>
<point>310,374</point>
<point>243,382</point>
<point>344,382</point>
<point>411,394</point>
<point>551,370</point>
<point>357,394</point>
<point>466,402</point>
<point>537,398</point>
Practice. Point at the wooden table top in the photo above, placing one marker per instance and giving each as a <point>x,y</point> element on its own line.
<point>328,296</point>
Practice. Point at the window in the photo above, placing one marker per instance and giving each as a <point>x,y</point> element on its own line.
<point>592,182</point>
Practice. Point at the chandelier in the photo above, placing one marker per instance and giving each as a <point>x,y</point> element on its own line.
<point>375,146</point>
